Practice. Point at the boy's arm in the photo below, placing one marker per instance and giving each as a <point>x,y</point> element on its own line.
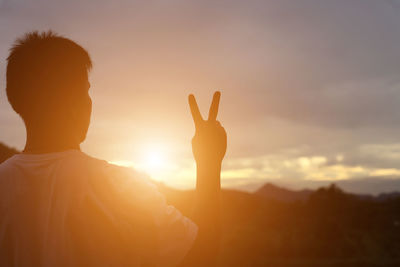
<point>209,147</point>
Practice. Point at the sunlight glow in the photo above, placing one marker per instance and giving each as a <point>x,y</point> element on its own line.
<point>157,160</point>
<point>123,163</point>
<point>154,158</point>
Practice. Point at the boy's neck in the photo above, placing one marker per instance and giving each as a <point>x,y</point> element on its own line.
<point>42,149</point>
<point>47,142</point>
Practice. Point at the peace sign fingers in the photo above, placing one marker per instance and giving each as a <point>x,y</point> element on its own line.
<point>194,109</point>
<point>212,114</point>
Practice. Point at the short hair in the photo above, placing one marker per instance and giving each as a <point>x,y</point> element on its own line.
<point>38,66</point>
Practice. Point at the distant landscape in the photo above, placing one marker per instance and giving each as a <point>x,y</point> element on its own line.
<point>275,226</point>
<point>325,227</point>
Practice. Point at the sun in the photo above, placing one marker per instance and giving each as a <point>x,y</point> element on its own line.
<point>154,158</point>
<point>151,158</point>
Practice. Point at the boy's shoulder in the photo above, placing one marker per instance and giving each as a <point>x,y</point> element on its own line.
<point>119,176</point>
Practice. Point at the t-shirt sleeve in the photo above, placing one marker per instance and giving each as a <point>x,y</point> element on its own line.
<point>161,233</point>
<point>177,234</point>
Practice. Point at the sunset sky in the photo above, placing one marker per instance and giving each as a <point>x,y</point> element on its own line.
<point>310,88</point>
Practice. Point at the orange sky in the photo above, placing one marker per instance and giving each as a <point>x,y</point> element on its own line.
<point>309,89</point>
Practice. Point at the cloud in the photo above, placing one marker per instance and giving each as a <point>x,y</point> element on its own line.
<point>310,88</point>
<point>299,166</point>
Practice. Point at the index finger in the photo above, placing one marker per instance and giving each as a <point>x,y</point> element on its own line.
<point>212,115</point>
<point>194,109</point>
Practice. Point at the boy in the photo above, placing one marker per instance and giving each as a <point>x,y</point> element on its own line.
<point>61,207</point>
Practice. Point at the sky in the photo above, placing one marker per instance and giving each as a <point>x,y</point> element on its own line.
<point>310,89</point>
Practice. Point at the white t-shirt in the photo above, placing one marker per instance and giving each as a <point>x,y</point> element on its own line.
<point>69,209</point>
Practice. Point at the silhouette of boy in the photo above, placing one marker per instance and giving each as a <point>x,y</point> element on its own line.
<point>61,207</point>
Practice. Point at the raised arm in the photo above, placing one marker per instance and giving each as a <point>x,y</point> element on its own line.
<point>209,147</point>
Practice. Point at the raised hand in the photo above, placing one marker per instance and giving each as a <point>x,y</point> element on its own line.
<point>209,141</point>
<point>209,147</point>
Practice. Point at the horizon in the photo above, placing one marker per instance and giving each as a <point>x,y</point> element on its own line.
<point>367,186</point>
<point>310,90</point>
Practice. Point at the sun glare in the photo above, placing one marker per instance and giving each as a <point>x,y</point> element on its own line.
<point>154,158</point>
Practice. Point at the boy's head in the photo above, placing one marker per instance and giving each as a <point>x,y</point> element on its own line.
<point>47,84</point>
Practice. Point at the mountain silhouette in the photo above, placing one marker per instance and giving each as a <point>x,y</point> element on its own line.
<point>277,193</point>
<point>272,191</point>
<point>275,226</point>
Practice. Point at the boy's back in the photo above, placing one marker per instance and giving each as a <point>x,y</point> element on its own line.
<point>60,207</point>
<point>67,208</point>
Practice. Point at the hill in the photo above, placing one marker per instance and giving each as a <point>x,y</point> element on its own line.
<point>329,228</point>
<point>277,193</point>
<point>271,191</point>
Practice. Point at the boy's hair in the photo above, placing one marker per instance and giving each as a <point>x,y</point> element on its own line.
<point>40,68</point>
